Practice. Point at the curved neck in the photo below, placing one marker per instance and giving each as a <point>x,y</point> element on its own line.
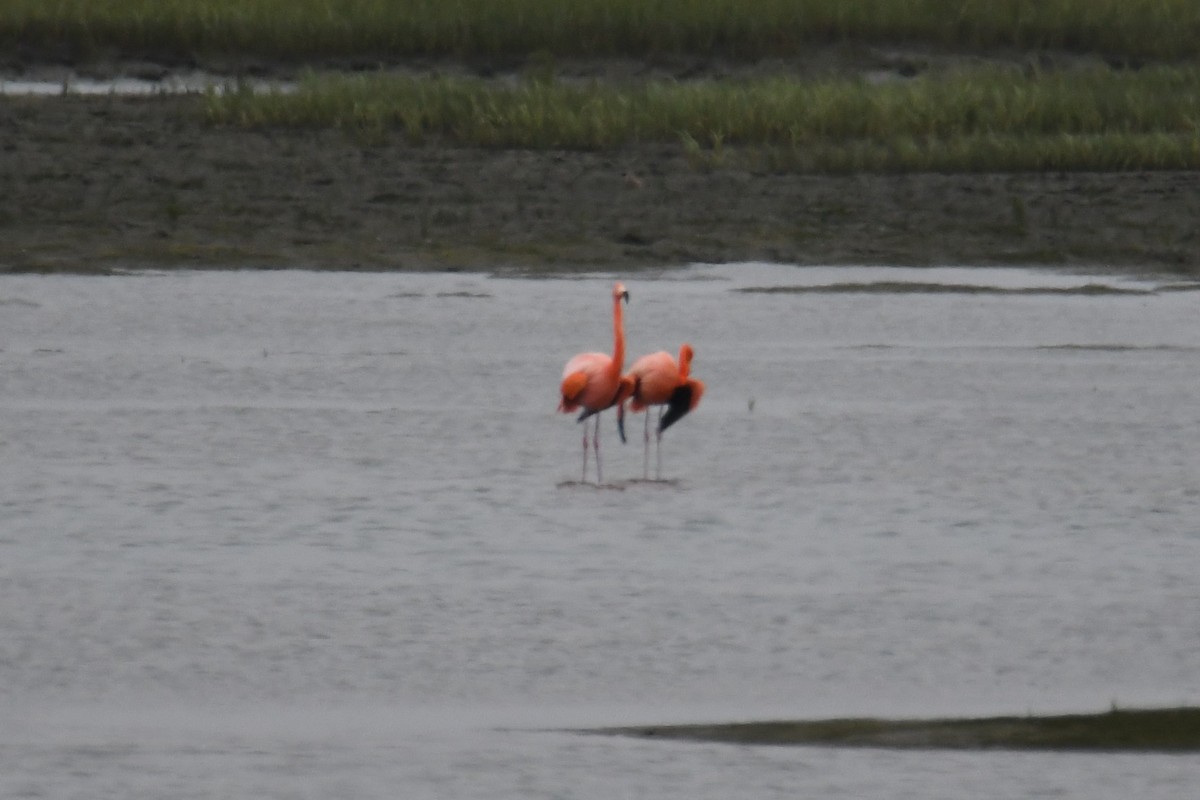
<point>685,362</point>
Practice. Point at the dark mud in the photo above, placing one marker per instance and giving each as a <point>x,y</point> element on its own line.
<point>96,183</point>
<point>1174,730</point>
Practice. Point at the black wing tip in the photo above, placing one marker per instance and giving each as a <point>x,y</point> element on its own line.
<point>677,407</point>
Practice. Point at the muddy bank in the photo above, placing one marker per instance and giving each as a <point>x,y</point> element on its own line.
<point>92,183</point>
<point>1169,730</point>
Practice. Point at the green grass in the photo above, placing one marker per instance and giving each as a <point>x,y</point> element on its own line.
<point>984,120</point>
<point>1175,730</point>
<point>301,29</point>
<point>988,119</point>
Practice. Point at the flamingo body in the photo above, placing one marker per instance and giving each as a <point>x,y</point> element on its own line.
<point>658,380</point>
<point>590,381</point>
<point>655,378</point>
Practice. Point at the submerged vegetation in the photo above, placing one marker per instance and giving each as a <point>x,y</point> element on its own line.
<point>1172,730</point>
<point>301,29</point>
<point>985,119</point>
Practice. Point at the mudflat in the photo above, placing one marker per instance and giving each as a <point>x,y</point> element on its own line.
<point>1148,730</point>
<point>93,183</point>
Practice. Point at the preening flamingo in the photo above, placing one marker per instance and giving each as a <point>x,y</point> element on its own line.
<point>593,382</point>
<point>659,381</point>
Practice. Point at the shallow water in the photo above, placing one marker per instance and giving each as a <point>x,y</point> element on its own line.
<point>55,83</point>
<point>288,534</point>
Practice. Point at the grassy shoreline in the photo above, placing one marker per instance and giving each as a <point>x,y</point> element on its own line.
<point>977,120</point>
<point>998,96</point>
<point>511,133</point>
<point>1168,730</point>
<point>304,29</point>
<point>91,183</point>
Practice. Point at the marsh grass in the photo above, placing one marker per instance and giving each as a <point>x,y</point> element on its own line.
<point>301,29</point>
<point>989,119</point>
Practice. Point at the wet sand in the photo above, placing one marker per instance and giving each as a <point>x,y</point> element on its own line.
<point>96,183</point>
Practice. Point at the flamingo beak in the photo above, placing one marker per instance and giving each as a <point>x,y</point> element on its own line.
<point>625,296</point>
<point>621,422</point>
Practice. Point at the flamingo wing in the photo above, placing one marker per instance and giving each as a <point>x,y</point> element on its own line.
<point>573,385</point>
<point>655,376</point>
<point>685,398</point>
<point>588,382</point>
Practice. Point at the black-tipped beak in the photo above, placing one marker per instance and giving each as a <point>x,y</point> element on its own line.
<point>621,425</point>
<point>625,296</point>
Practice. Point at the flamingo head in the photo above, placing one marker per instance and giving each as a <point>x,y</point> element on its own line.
<point>620,292</point>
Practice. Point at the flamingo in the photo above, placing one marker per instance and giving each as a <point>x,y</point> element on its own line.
<point>659,381</point>
<point>593,382</point>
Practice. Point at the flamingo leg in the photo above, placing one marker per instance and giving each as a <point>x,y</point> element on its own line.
<point>658,442</point>
<point>596,447</point>
<point>646,449</point>
<point>585,455</point>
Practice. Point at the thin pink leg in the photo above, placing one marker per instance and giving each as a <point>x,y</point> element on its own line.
<point>658,442</point>
<point>596,447</point>
<point>585,448</point>
<point>646,449</point>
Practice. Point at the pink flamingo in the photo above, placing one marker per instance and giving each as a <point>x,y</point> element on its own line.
<point>593,382</point>
<point>659,381</point>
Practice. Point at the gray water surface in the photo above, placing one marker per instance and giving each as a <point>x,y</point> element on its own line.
<point>58,82</point>
<point>290,534</point>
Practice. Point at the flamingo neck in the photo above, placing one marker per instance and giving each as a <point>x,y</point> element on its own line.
<point>685,362</point>
<point>618,337</point>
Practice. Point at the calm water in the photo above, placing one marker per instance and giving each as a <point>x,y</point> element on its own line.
<point>291,535</point>
<point>55,83</point>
